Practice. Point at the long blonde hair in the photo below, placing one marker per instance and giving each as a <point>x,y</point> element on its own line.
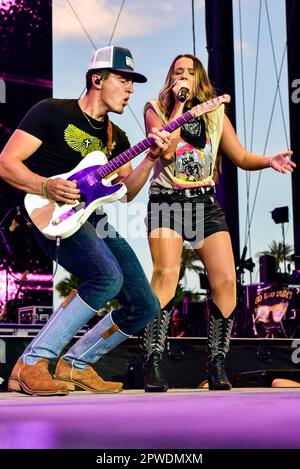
<point>203,88</point>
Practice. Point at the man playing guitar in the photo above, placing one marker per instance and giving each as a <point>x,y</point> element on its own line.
<point>54,136</point>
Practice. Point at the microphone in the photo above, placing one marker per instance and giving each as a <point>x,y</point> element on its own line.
<point>183,94</point>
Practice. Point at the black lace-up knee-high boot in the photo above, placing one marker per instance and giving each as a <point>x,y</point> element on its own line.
<point>218,339</point>
<point>154,345</point>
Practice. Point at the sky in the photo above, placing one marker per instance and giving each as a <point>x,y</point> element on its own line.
<point>157,31</point>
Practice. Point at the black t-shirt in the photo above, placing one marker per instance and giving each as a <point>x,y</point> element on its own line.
<point>67,136</point>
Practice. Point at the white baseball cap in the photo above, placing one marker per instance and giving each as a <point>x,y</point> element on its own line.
<point>118,59</point>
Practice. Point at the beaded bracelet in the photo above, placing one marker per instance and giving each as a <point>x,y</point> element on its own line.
<point>270,163</point>
<point>44,188</point>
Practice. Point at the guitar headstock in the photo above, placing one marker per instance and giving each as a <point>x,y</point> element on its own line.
<point>210,105</point>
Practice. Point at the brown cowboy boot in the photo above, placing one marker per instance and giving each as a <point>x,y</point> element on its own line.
<point>85,379</point>
<point>36,380</point>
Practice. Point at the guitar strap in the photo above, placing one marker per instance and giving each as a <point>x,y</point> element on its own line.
<point>109,135</point>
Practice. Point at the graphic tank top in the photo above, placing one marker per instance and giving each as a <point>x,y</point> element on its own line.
<point>191,166</point>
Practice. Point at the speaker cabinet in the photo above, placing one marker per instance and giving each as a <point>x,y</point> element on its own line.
<point>267,268</point>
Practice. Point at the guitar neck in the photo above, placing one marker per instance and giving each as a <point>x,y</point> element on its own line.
<point>132,152</point>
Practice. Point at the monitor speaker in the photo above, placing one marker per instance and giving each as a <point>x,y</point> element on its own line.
<point>267,268</point>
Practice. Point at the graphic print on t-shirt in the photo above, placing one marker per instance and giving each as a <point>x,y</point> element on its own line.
<point>193,165</point>
<point>82,142</point>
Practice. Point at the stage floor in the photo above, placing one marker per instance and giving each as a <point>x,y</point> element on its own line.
<point>179,419</point>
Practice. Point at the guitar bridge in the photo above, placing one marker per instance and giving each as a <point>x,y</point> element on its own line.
<point>69,213</point>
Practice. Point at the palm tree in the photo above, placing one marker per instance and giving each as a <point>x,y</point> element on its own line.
<point>189,261</point>
<point>279,251</point>
<point>65,286</point>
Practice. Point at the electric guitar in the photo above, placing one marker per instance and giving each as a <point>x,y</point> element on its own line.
<point>93,176</point>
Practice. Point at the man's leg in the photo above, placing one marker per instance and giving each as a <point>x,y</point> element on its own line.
<point>86,256</point>
<point>139,306</point>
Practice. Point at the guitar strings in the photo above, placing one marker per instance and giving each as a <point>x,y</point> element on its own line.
<point>186,116</point>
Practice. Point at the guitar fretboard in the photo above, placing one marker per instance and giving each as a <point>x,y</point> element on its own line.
<point>129,154</point>
<point>113,165</point>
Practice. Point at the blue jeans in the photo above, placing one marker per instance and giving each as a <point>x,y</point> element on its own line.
<point>108,269</point>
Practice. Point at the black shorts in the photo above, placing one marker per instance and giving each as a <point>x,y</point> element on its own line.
<point>193,218</point>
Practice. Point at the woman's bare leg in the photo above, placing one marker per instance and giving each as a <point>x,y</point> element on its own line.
<point>216,254</point>
<point>217,257</point>
<point>166,247</point>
